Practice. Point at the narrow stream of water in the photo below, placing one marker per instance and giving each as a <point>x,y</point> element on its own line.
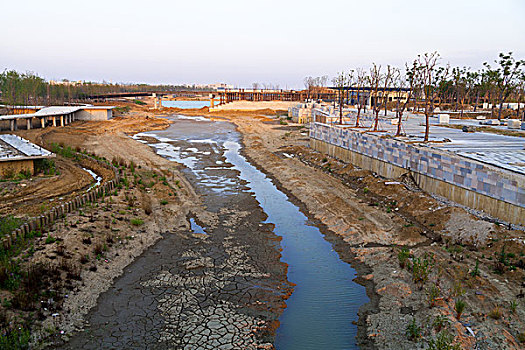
<point>325,301</point>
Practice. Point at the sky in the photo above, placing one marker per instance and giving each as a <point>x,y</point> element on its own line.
<point>240,42</point>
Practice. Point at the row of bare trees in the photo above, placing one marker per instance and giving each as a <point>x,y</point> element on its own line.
<point>426,83</point>
<point>315,85</point>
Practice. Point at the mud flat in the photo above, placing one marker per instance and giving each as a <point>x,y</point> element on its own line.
<point>388,226</point>
<point>224,284</point>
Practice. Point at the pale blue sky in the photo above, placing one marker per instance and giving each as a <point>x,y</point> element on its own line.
<point>240,42</point>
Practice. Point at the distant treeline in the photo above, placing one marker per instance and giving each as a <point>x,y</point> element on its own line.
<point>30,89</point>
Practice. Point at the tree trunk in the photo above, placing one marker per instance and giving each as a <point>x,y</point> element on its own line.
<point>427,119</point>
<point>501,101</point>
<point>399,115</point>
<point>341,106</point>
<point>519,103</point>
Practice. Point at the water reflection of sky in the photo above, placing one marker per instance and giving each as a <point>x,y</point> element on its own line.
<point>186,104</point>
<point>326,300</point>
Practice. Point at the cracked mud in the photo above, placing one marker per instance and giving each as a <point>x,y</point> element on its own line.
<point>221,281</point>
<point>223,289</point>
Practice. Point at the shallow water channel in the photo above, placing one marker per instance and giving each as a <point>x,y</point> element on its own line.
<point>325,300</point>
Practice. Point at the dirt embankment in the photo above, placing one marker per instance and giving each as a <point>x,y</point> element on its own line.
<point>450,258</point>
<point>432,270</point>
<point>76,258</point>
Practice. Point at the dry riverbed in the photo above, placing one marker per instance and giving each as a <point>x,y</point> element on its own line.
<point>433,271</point>
<point>421,259</point>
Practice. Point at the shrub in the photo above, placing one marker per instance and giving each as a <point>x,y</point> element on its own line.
<point>403,256</point>
<point>84,259</point>
<point>9,173</point>
<point>23,174</point>
<point>98,248</point>
<point>164,201</point>
<point>8,224</point>
<point>459,306</point>
<point>139,102</point>
<point>50,239</point>
<point>146,205</point>
<point>15,338</point>
<point>421,268</point>
<point>521,337</point>
<point>433,294</point>
<point>443,341</point>
<point>137,222</point>
<point>475,271</point>
<point>456,290</point>
<point>122,109</point>
<point>499,268</point>
<point>440,322</point>
<point>64,151</point>
<point>413,331</point>
<point>512,306</point>
<point>495,313</point>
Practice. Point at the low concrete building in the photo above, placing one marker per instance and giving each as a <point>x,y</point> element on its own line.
<point>55,116</point>
<point>18,155</point>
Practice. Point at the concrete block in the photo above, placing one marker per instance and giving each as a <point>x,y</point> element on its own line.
<point>444,119</point>
<point>513,124</point>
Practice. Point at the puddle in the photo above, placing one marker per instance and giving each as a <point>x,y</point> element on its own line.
<point>98,179</point>
<point>196,228</point>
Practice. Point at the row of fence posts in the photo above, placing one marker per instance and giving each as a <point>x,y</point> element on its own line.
<point>58,212</point>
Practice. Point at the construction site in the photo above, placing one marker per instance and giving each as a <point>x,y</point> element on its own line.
<point>385,202</point>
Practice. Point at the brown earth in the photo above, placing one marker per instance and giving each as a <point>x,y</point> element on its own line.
<point>78,256</point>
<point>376,218</point>
<point>371,220</point>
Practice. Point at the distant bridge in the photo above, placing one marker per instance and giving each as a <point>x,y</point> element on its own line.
<point>181,93</point>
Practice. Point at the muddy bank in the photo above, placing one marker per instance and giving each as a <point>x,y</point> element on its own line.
<point>80,254</point>
<point>221,288</point>
<point>471,261</point>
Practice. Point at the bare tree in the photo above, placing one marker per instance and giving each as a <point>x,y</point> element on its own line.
<point>342,81</point>
<point>520,89</point>
<point>361,79</point>
<point>387,81</point>
<point>410,79</point>
<point>432,76</point>
<point>308,84</point>
<point>375,79</point>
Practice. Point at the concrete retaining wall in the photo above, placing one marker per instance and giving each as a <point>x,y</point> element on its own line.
<point>13,167</point>
<point>94,114</point>
<point>498,192</point>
